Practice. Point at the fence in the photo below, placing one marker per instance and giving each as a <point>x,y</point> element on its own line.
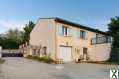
<point>11,53</point>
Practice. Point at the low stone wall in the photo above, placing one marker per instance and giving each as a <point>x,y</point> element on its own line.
<point>100,52</point>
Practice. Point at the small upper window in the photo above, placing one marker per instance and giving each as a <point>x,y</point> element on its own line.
<point>65,31</point>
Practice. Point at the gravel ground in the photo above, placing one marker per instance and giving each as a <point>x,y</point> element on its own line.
<point>21,68</point>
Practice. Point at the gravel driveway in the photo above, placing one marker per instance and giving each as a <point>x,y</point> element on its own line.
<point>21,68</point>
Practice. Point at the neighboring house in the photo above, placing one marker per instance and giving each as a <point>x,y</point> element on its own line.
<point>62,39</point>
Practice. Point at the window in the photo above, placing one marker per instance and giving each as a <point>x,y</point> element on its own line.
<point>64,31</point>
<point>34,51</point>
<point>101,40</point>
<point>44,50</point>
<point>82,34</point>
<point>98,35</point>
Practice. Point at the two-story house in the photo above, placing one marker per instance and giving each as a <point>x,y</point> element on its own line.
<point>69,41</point>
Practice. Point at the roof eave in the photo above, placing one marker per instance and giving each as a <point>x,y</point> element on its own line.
<point>79,26</point>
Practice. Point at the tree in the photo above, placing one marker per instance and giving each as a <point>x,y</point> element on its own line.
<point>114,31</point>
<point>13,37</point>
<point>11,40</point>
<point>26,31</point>
<point>14,34</point>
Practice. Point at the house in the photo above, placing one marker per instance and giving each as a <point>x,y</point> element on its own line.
<point>69,41</point>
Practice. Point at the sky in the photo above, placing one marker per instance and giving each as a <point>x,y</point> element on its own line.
<point>92,13</point>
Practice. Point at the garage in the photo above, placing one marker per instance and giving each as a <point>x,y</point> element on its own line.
<point>65,53</point>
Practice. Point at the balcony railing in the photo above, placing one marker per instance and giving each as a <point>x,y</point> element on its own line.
<point>101,40</point>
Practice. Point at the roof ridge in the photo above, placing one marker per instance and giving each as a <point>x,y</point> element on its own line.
<point>75,24</point>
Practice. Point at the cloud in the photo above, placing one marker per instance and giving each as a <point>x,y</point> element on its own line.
<point>10,24</point>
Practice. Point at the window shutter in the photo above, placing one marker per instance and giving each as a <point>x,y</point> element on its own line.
<point>60,28</point>
<point>78,34</point>
<point>86,35</point>
<point>69,32</point>
<point>74,32</point>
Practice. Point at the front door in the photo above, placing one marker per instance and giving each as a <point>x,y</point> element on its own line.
<point>85,54</point>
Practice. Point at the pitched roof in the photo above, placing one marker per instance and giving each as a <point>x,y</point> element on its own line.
<point>76,25</point>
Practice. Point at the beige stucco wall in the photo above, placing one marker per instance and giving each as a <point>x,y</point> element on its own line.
<point>78,43</point>
<point>100,52</point>
<point>44,34</point>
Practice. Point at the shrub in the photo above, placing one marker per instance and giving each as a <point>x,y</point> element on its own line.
<point>2,61</point>
<point>44,59</point>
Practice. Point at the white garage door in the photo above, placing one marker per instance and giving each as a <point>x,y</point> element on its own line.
<point>65,54</point>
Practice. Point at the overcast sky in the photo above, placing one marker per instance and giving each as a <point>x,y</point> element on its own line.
<point>93,13</point>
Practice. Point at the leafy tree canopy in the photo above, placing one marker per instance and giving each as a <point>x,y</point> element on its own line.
<point>13,37</point>
<point>113,27</point>
<point>26,31</point>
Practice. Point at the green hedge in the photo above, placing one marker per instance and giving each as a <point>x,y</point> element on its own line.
<point>44,59</point>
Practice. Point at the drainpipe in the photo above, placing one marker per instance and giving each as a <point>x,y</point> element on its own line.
<point>55,40</point>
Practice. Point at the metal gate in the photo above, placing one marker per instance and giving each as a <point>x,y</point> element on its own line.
<point>11,53</point>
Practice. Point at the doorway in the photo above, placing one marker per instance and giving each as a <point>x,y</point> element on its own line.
<point>65,53</point>
<point>85,53</point>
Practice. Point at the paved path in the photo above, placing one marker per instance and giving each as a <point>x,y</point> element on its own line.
<point>21,68</point>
